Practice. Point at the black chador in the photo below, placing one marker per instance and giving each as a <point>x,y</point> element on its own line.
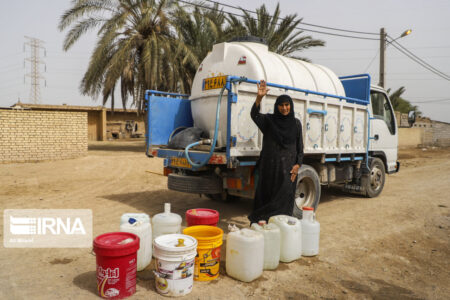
<point>282,149</point>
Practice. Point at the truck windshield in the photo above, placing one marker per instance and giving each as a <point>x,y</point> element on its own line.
<point>381,109</point>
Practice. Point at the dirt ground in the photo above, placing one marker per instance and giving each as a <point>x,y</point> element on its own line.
<point>395,246</point>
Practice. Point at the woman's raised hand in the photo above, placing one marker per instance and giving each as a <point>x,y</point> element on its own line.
<point>262,89</point>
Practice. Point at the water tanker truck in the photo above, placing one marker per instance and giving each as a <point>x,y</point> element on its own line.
<point>350,134</point>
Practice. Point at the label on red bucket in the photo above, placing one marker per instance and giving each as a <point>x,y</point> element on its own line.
<point>118,281</point>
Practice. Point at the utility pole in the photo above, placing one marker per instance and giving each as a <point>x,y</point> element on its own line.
<point>383,36</point>
<point>35,46</point>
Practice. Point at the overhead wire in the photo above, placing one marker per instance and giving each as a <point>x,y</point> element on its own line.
<point>417,59</point>
<point>304,23</point>
<point>431,101</point>
<point>373,59</point>
<point>299,28</point>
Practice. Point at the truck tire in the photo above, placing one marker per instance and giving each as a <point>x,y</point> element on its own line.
<point>373,182</point>
<point>195,184</point>
<point>307,192</point>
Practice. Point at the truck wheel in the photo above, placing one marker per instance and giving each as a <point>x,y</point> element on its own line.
<point>308,190</point>
<point>373,182</point>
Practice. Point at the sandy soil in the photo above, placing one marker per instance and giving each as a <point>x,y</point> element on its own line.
<point>395,246</point>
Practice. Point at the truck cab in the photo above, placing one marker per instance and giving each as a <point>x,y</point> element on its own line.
<point>383,129</point>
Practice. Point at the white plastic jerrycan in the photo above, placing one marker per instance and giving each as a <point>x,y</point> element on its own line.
<point>144,231</point>
<point>144,218</point>
<point>245,254</point>
<point>166,222</point>
<point>291,237</point>
<point>310,232</point>
<point>272,239</point>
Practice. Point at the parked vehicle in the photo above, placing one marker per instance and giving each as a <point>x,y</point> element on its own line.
<point>349,129</point>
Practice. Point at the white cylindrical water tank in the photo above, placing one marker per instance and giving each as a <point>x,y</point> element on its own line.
<point>254,61</point>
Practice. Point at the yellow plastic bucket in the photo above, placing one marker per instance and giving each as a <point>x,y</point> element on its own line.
<point>207,261</point>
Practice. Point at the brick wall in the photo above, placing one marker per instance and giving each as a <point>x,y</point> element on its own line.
<point>27,135</point>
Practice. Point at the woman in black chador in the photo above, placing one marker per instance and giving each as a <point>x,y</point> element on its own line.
<point>280,159</point>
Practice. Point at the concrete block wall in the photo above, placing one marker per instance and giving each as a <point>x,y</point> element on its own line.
<point>441,134</point>
<point>27,135</point>
<point>410,137</point>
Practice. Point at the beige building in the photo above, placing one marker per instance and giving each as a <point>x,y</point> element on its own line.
<point>102,123</point>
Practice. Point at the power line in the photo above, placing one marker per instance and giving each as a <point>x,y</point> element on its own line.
<point>304,23</point>
<point>299,28</point>
<point>417,59</point>
<point>431,69</point>
<point>373,59</point>
<point>431,101</point>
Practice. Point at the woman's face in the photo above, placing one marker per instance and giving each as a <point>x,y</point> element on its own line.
<point>284,108</point>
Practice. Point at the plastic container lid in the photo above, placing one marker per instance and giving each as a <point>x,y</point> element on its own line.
<point>142,217</point>
<point>116,244</point>
<point>202,216</point>
<point>204,233</point>
<point>175,242</point>
<point>307,208</point>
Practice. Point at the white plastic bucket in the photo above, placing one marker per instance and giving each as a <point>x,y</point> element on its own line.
<point>175,260</point>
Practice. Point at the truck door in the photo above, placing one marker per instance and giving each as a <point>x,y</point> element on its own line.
<point>383,128</point>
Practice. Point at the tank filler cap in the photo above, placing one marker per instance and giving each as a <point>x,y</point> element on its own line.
<point>249,38</point>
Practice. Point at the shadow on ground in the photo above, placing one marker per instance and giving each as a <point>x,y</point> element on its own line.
<point>153,201</point>
<point>234,212</point>
<point>385,290</point>
<point>87,281</point>
<point>336,194</point>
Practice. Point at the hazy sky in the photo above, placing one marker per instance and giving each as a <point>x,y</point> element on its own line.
<point>430,40</point>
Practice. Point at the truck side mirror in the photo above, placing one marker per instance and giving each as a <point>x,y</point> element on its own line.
<point>411,117</point>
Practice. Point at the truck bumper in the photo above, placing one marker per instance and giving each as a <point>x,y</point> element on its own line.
<point>397,168</point>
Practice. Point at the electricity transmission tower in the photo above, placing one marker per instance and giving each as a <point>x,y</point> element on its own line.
<point>35,46</point>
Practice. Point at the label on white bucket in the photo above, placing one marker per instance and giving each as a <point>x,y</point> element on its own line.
<point>174,278</point>
<point>175,257</point>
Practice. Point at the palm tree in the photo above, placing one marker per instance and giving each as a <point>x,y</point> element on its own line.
<point>282,36</point>
<point>158,44</point>
<point>137,46</point>
<point>400,104</point>
<point>199,28</point>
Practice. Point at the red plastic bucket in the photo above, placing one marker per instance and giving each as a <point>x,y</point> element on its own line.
<point>116,264</point>
<point>202,216</point>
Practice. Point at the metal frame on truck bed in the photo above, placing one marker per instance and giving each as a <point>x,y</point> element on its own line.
<point>228,171</point>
